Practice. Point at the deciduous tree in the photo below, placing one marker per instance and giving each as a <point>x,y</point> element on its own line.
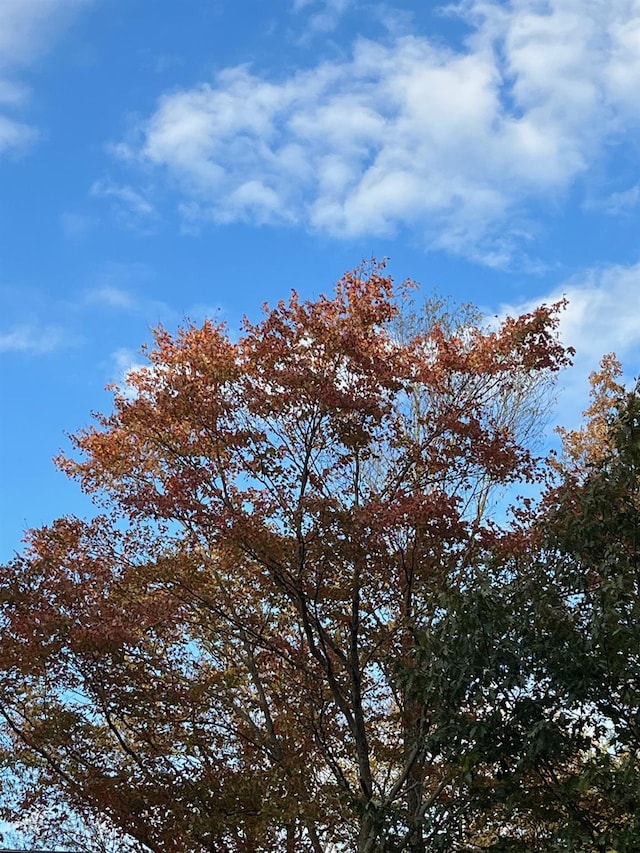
<point>591,560</point>
<point>226,658</point>
<point>545,697</point>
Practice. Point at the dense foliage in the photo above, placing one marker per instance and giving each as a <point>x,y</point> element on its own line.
<point>296,625</point>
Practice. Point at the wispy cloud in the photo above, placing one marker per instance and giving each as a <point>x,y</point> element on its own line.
<point>15,136</point>
<point>324,15</point>
<point>26,26</point>
<point>26,29</point>
<point>123,362</point>
<point>42,323</point>
<point>128,287</point>
<point>12,93</point>
<point>122,287</point>
<point>35,339</point>
<point>602,315</point>
<point>621,203</point>
<point>452,143</point>
<point>130,206</point>
<point>111,297</point>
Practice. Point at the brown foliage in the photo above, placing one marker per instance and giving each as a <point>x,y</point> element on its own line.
<point>216,664</point>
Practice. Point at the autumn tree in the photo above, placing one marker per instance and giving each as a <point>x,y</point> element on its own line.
<point>226,658</point>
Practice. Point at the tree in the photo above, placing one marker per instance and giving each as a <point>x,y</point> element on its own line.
<point>546,689</point>
<point>591,554</point>
<point>225,660</point>
<point>64,831</point>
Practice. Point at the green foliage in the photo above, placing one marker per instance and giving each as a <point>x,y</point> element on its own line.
<point>538,674</point>
<point>529,671</point>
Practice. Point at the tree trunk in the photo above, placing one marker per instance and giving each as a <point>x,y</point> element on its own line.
<point>370,827</point>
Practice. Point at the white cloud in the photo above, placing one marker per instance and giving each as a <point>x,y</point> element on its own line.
<point>111,297</point>
<point>121,286</point>
<point>129,198</point>
<point>124,362</point>
<point>624,202</point>
<point>453,143</point>
<point>325,14</point>
<point>27,27</point>
<point>603,313</point>
<point>128,287</point>
<point>602,316</point>
<point>130,206</point>
<point>15,135</point>
<point>12,93</point>
<point>35,339</point>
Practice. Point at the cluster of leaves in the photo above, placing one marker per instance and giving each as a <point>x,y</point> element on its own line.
<point>546,705</point>
<point>296,627</point>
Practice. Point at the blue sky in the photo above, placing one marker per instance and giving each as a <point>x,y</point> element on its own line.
<point>161,160</point>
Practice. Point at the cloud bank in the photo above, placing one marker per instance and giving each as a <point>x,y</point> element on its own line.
<point>452,143</point>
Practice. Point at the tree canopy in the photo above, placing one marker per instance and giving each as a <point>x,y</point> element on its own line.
<point>296,625</point>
